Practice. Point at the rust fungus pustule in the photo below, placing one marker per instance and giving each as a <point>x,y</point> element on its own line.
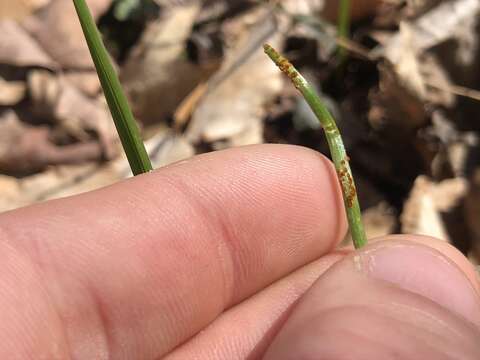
<point>347,183</point>
<point>287,68</point>
<point>284,65</point>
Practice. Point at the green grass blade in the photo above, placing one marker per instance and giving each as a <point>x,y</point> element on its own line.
<point>343,26</point>
<point>125,123</point>
<point>335,143</point>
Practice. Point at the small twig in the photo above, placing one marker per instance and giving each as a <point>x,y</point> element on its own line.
<point>335,143</point>
<point>355,48</point>
<point>188,105</point>
<point>263,30</point>
<point>340,40</point>
<point>363,52</point>
<point>455,89</point>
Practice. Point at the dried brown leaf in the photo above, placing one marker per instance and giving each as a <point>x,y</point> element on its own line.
<point>427,201</point>
<point>157,76</point>
<point>58,32</point>
<point>19,48</point>
<point>86,81</point>
<point>232,111</point>
<point>73,112</point>
<point>25,148</point>
<point>449,20</point>
<point>11,92</point>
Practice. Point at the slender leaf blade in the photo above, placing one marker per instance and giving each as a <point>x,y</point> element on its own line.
<point>335,143</point>
<point>125,123</point>
<point>343,26</point>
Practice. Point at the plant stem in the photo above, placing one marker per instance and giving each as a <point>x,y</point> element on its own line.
<point>125,123</point>
<point>343,26</point>
<point>335,143</point>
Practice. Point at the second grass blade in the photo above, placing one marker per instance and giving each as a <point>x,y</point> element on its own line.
<point>343,26</point>
<point>335,143</point>
<point>125,123</point>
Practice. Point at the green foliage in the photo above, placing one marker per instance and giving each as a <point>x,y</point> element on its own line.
<point>335,143</point>
<point>343,26</point>
<point>125,123</point>
<point>132,9</point>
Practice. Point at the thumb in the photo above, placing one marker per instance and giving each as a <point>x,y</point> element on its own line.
<point>399,299</point>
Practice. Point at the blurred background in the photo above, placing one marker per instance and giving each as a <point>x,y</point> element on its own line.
<point>403,94</point>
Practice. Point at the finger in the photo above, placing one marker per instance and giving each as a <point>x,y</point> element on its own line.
<point>443,247</point>
<point>395,298</point>
<point>137,268</point>
<point>246,330</point>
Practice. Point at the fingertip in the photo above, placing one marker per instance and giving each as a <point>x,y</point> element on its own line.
<point>444,248</point>
<point>279,178</point>
<point>425,266</point>
<point>398,295</point>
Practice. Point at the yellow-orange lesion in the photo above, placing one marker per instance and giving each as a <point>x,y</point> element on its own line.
<point>346,180</point>
<point>284,65</point>
<point>287,68</point>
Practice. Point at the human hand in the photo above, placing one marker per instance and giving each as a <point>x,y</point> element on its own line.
<point>213,258</point>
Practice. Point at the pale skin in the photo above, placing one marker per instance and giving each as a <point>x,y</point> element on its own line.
<point>230,255</point>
